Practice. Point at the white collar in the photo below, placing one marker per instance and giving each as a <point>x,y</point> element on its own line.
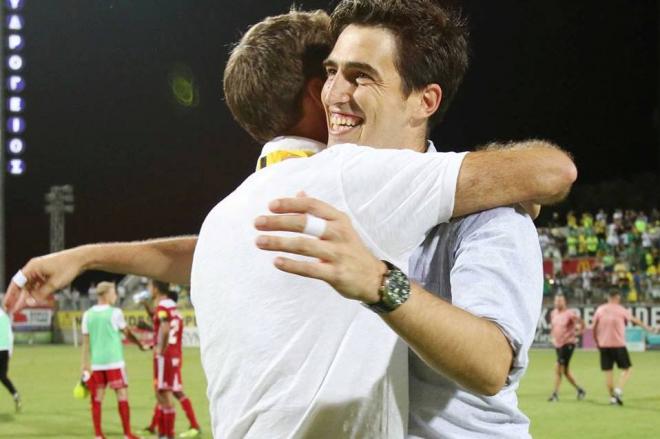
<point>430,147</point>
<point>291,143</point>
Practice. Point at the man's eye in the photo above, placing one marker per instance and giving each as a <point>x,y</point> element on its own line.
<point>330,72</point>
<point>363,77</point>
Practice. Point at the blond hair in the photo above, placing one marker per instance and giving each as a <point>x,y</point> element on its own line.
<point>104,287</point>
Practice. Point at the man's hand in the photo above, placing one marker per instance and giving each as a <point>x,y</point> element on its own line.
<point>344,261</point>
<point>45,275</point>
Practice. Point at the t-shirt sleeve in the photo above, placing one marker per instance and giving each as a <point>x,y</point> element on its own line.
<point>118,319</point>
<point>498,275</point>
<point>83,324</point>
<point>596,316</point>
<point>397,196</point>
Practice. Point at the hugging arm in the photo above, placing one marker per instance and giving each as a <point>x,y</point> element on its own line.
<point>452,341</point>
<point>532,171</point>
<point>167,259</point>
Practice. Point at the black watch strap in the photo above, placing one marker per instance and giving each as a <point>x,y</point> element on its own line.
<point>394,290</point>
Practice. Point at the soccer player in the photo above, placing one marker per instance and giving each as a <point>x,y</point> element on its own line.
<point>6,347</point>
<point>609,327</point>
<point>168,330</point>
<point>103,356</point>
<point>564,325</point>
<point>164,297</point>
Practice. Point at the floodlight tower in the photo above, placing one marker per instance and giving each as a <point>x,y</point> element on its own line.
<point>59,201</point>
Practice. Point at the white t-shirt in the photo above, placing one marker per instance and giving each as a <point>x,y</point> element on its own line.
<point>287,356</point>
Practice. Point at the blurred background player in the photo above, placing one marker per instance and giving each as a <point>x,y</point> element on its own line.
<point>609,328</point>
<point>168,332</point>
<point>6,347</point>
<point>103,355</point>
<point>565,325</point>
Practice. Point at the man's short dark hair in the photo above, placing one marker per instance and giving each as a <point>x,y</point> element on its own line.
<point>162,287</point>
<point>614,292</point>
<point>431,40</point>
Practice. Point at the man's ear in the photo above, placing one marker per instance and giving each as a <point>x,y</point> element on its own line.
<point>429,101</point>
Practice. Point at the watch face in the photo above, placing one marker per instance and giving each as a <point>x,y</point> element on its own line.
<point>398,288</point>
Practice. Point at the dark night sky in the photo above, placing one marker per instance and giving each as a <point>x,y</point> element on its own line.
<point>101,115</point>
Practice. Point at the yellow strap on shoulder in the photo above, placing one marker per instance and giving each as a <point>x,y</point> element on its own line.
<point>279,156</point>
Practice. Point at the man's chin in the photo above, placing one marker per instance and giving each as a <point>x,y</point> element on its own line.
<point>340,140</point>
<point>350,136</point>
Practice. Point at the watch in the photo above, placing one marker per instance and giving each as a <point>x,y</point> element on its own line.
<point>393,292</point>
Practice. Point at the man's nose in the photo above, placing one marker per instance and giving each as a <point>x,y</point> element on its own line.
<point>339,90</point>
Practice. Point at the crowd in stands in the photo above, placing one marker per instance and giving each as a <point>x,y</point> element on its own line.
<point>619,250</point>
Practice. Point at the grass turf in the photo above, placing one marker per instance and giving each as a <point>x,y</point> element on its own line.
<point>45,376</point>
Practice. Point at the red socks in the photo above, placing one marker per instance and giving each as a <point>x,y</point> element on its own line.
<point>155,420</point>
<point>96,417</point>
<point>125,415</point>
<point>190,413</point>
<point>166,426</point>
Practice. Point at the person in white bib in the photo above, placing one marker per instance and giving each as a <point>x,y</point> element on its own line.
<point>103,356</point>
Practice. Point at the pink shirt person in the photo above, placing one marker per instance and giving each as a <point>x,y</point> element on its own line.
<point>563,327</point>
<point>611,329</point>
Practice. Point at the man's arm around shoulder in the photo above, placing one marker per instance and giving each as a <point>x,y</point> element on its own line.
<point>531,171</point>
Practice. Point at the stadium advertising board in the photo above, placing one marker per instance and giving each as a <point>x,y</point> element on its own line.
<point>33,325</point>
<point>570,265</point>
<point>647,314</point>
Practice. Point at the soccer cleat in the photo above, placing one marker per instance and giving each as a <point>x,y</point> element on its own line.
<point>18,405</point>
<point>193,432</point>
<point>613,401</point>
<point>147,432</point>
<point>581,393</point>
<point>554,397</point>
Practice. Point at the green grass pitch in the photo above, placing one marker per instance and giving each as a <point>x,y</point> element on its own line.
<point>46,375</point>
